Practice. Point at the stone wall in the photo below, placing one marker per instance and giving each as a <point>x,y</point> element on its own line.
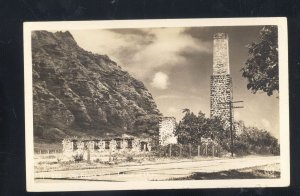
<point>103,149</point>
<point>220,95</point>
<point>167,127</point>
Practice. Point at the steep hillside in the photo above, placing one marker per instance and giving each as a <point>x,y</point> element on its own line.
<point>76,92</point>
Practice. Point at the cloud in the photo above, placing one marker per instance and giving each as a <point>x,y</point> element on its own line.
<point>142,51</point>
<point>160,80</point>
<point>141,36</point>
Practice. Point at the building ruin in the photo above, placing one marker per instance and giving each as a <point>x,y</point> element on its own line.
<point>221,81</point>
<point>105,148</point>
<point>167,127</point>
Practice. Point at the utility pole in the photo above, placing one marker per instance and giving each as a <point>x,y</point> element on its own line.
<point>231,107</point>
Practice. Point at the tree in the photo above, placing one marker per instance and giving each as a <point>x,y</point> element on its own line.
<point>257,141</point>
<point>186,110</point>
<point>261,67</point>
<point>220,134</point>
<point>192,127</point>
<point>186,127</point>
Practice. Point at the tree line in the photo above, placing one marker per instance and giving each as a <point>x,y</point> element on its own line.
<point>247,140</point>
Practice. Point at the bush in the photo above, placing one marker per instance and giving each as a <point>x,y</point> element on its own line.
<point>160,151</point>
<point>78,157</point>
<point>184,150</point>
<point>129,158</point>
<point>97,161</point>
<point>256,141</point>
<point>276,150</point>
<point>241,148</point>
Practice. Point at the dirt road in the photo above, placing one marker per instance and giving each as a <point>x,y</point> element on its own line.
<point>157,171</point>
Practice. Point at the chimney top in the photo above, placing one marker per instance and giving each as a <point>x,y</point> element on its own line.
<point>220,36</point>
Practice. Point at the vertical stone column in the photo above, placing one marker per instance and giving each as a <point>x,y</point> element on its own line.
<point>167,127</point>
<point>220,54</point>
<point>221,81</point>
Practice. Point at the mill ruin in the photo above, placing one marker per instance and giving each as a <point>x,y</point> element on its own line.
<point>107,147</point>
<point>220,81</point>
<point>167,127</point>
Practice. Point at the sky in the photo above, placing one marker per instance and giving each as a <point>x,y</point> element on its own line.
<point>175,64</point>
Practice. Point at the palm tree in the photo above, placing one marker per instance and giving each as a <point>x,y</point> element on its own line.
<point>186,110</point>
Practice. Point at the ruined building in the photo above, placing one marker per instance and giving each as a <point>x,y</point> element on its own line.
<point>220,81</point>
<point>167,127</point>
<point>105,148</point>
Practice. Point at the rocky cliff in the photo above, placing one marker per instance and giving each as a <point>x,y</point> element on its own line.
<point>76,92</point>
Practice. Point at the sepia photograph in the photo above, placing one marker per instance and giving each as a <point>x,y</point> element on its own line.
<point>156,104</point>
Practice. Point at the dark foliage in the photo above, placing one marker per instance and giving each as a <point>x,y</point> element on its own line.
<point>256,141</point>
<point>261,67</point>
<point>78,157</point>
<point>192,127</point>
<point>251,140</point>
<point>188,151</point>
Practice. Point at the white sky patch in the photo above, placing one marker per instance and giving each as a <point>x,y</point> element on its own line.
<point>167,96</point>
<point>160,80</point>
<point>237,115</point>
<point>174,96</point>
<point>266,124</point>
<point>172,110</point>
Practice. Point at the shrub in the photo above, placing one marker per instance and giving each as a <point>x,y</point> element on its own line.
<point>129,158</point>
<point>97,161</point>
<point>256,141</point>
<point>241,148</point>
<point>78,157</point>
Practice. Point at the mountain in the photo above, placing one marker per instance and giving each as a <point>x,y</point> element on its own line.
<point>79,93</point>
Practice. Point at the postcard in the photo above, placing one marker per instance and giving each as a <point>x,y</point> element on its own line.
<point>156,104</point>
